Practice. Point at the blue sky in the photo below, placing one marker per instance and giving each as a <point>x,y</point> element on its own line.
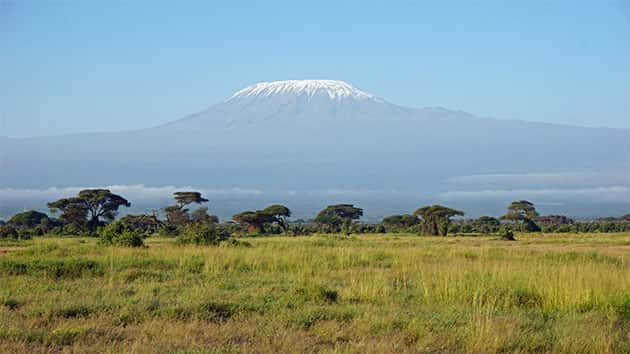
<point>76,66</point>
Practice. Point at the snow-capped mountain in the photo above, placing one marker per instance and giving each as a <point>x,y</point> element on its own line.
<point>333,89</point>
<point>302,135</point>
<point>309,103</point>
<point>316,106</point>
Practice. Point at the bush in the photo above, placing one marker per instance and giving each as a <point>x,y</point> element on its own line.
<point>507,235</point>
<point>57,230</point>
<point>8,232</point>
<point>72,229</point>
<point>25,234</point>
<point>119,234</point>
<point>202,234</point>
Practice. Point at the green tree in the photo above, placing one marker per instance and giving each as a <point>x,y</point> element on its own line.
<point>486,224</point>
<point>93,204</point>
<point>185,198</point>
<point>252,220</point>
<point>201,215</point>
<point>28,219</point>
<point>73,212</point>
<point>339,216</point>
<point>177,214</point>
<point>524,213</point>
<point>277,214</point>
<point>257,220</point>
<point>436,219</point>
<point>144,224</point>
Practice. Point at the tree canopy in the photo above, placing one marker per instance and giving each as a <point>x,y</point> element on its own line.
<point>251,219</point>
<point>337,214</point>
<point>487,224</point>
<point>184,198</point>
<point>256,220</point>
<point>177,214</point>
<point>436,219</point>
<point>524,212</point>
<point>404,220</point>
<point>93,204</point>
<point>28,219</point>
<point>201,215</point>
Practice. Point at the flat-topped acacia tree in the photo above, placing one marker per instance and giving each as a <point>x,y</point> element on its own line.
<point>185,198</point>
<point>177,214</point>
<point>256,220</point>
<point>522,212</point>
<point>90,204</point>
<point>436,219</point>
<point>251,219</point>
<point>277,214</point>
<point>339,215</point>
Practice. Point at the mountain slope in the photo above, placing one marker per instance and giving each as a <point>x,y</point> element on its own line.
<point>313,134</point>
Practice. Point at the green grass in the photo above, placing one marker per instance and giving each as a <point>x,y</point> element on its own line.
<point>367,293</point>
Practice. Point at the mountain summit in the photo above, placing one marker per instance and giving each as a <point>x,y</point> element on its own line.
<point>333,89</point>
<point>309,104</point>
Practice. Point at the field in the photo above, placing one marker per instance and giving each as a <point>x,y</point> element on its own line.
<point>367,293</point>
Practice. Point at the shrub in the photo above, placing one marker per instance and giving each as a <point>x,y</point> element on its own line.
<point>507,235</point>
<point>25,234</point>
<point>11,304</point>
<point>120,234</point>
<point>57,230</point>
<point>72,229</point>
<point>202,234</point>
<point>8,232</point>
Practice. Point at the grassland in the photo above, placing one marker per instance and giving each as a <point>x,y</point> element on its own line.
<point>368,293</point>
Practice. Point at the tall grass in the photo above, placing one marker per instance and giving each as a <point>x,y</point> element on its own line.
<point>544,293</point>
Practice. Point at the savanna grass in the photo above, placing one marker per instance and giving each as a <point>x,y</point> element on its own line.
<point>386,293</point>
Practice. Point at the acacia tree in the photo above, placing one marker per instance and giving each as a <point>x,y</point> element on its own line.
<point>177,214</point>
<point>93,204</point>
<point>251,219</point>
<point>339,215</point>
<point>524,213</point>
<point>436,219</point>
<point>277,214</point>
<point>184,198</point>
<point>256,220</point>
<point>72,211</point>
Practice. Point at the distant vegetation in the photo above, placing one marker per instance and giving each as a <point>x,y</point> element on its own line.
<point>93,213</point>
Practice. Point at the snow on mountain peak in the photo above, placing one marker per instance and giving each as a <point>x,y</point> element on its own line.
<point>334,89</point>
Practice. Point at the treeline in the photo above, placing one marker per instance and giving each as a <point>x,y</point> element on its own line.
<point>93,213</point>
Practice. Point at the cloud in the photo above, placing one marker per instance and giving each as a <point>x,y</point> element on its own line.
<point>545,178</point>
<point>140,192</point>
<point>540,181</point>
<point>131,192</point>
<point>616,194</point>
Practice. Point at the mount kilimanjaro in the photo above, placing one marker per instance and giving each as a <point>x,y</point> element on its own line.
<point>309,135</point>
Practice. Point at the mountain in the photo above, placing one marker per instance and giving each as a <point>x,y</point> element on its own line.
<point>318,135</point>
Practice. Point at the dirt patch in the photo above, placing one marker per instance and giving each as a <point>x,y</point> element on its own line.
<point>4,250</point>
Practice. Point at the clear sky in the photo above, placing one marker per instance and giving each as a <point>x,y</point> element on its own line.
<point>76,66</point>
